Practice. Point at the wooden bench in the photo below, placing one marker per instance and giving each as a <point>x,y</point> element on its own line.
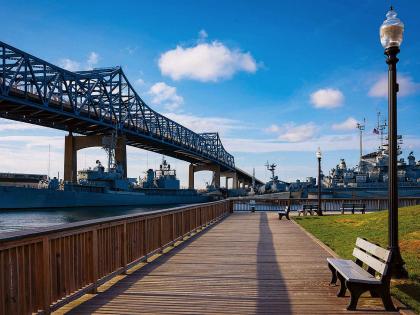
<point>285,213</point>
<point>311,209</point>
<point>358,280</point>
<point>353,207</point>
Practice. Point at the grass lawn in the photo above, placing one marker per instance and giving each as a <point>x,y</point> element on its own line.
<point>339,232</point>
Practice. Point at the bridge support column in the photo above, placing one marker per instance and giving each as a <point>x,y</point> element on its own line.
<point>121,154</point>
<point>203,167</point>
<point>70,159</point>
<point>216,176</point>
<point>74,143</point>
<point>234,177</point>
<point>191,176</point>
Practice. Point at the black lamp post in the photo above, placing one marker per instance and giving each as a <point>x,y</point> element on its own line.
<point>319,156</point>
<point>391,33</point>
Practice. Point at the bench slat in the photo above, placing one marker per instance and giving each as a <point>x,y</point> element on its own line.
<point>352,272</point>
<point>370,261</point>
<point>373,249</point>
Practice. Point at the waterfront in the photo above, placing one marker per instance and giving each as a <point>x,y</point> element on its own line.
<point>17,220</point>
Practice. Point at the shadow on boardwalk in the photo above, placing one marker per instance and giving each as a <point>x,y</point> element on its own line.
<point>272,290</point>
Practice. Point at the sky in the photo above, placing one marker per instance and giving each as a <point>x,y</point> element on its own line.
<point>276,80</point>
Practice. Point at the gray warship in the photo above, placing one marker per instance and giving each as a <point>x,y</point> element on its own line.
<point>366,180</point>
<point>370,177</point>
<point>96,186</point>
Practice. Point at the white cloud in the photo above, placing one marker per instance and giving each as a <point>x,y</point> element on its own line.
<point>349,124</point>
<point>202,34</point>
<point>92,59</point>
<point>34,141</point>
<point>139,82</point>
<point>166,95</point>
<point>206,124</point>
<point>73,65</point>
<point>406,83</point>
<point>205,62</point>
<point>294,133</point>
<point>273,128</point>
<point>69,64</point>
<point>326,143</point>
<point>327,98</point>
<point>18,126</point>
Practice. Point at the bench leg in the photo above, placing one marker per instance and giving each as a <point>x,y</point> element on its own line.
<point>342,291</point>
<point>280,216</point>
<point>386,299</point>
<point>287,216</point>
<point>333,274</point>
<point>356,291</point>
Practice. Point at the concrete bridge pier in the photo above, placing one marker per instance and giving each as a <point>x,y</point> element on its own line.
<point>203,167</point>
<point>234,177</point>
<point>74,143</point>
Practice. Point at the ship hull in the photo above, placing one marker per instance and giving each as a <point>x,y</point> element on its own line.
<point>27,198</point>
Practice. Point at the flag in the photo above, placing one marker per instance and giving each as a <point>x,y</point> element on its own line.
<point>375,131</point>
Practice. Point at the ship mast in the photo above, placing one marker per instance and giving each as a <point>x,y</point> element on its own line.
<point>381,128</point>
<point>271,168</point>
<point>361,127</point>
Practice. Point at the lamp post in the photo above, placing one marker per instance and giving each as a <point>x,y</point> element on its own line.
<point>391,34</point>
<point>319,156</point>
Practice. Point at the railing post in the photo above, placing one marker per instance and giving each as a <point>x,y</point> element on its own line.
<point>125,247</point>
<point>173,228</point>
<point>95,273</point>
<point>46,274</point>
<point>182,224</point>
<point>161,233</point>
<point>146,240</point>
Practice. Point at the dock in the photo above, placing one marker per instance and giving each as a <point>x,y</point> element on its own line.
<point>249,263</point>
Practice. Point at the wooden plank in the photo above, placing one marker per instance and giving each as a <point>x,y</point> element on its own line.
<point>373,249</point>
<point>46,274</point>
<point>94,249</point>
<point>370,260</point>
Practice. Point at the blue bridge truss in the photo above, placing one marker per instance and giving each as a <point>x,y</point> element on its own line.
<point>100,101</point>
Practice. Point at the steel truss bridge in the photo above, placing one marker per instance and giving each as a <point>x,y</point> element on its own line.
<point>98,102</point>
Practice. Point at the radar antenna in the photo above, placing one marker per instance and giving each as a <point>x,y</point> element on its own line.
<point>380,128</point>
<point>271,168</point>
<point>361,127</point>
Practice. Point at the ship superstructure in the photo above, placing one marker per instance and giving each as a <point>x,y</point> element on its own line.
<point>371,174</point>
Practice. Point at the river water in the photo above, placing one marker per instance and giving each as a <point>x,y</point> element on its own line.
<point>16,220</point>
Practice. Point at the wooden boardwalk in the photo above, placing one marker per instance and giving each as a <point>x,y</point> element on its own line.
<point>250,263</point>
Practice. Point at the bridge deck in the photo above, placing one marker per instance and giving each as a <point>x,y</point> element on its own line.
<point>249,263</point>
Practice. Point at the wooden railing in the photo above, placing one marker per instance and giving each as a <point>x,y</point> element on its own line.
<point>272,204</point>
<point>43,270</point>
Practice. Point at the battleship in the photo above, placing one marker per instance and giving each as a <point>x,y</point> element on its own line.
<point>370,177</point>
<point>96,187</point>
<point>367,179</point>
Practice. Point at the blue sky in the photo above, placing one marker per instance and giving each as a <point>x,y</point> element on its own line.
<point>276,80</point>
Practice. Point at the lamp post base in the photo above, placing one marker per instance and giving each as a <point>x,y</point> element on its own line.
<point>398,270</point>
